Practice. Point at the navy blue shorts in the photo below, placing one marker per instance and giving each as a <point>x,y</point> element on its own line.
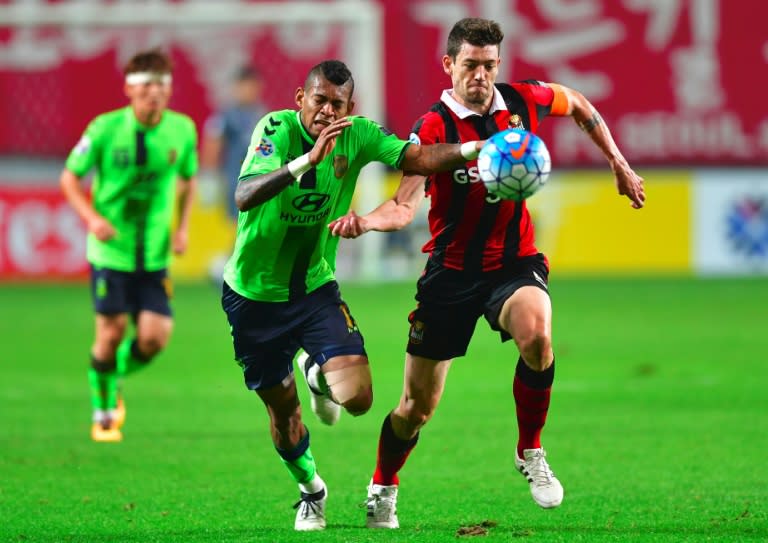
<point>267,335</point>
<point>450,302</point>
<point>115,292</point>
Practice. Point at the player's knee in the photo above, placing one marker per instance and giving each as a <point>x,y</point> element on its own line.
<point>351,387</point>
<point>150,346</point>
<point>416,414</point>
<point>361,403</point>
<point>536,350</point>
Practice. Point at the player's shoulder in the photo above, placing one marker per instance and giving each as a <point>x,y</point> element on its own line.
<point>179,118</point>
<point>527,90</point>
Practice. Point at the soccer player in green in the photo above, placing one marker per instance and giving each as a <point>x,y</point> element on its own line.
<point>145,159</point>
<point>279,290</point>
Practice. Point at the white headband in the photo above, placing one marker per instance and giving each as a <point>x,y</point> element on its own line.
<point>142,78</point>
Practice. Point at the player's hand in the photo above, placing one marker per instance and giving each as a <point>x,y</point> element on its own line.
<point>180,242</point>
<point>349,226</point>
<point>101,228</point>
<point>326,141</point>
<point>630,184</point>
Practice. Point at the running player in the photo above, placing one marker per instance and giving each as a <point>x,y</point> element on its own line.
<point>145,160</point>
<point>279,290</point>
<point>482,260</point>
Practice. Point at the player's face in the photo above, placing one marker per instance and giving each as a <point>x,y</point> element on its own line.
<point>149,100</point>
<point>473,73</point>
<point>321,103</point>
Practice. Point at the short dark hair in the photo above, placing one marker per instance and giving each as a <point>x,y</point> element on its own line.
<point>151,60</point>
<point>334,71</point>
<point>247,72</point>
<point>474,31</point>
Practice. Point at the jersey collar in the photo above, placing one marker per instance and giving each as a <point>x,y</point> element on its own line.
<point>463,112</point>
<point>304,132</point>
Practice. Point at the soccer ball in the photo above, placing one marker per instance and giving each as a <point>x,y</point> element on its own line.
<point>514,164</point>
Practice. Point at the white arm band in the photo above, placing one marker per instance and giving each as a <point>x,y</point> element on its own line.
<point>469,151</point>
<point>300,165</point>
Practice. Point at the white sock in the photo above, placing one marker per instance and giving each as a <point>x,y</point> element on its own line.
<point>312,487</point>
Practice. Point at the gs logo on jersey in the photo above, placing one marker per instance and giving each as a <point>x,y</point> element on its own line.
<point>265,148</point>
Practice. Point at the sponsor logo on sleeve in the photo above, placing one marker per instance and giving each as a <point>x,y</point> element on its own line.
<point>265,147</point>
<point>83,146</point>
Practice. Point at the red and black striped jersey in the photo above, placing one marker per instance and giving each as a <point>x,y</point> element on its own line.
<point>471,229</point>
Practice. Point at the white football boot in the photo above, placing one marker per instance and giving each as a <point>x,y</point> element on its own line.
<point>310,510</point>
<point>381,506</point>
<point>322,405</point>
<point>546,490</point>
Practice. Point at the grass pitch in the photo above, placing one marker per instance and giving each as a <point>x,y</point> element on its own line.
<point>658,426</point>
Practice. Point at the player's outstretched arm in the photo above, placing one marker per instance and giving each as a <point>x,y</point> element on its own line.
<point>439,157</point>
<point>73,190</point>
<point>628,183</point>
<point>393,214</point>
<point>255,190</point>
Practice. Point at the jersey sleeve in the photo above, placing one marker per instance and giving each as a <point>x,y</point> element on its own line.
<point>427,130</point>
<point>86,152</point>
<point>189,160</point>
<point>269,146</point>
<point>377,144</point>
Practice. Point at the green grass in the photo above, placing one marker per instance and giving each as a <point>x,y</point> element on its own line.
<point>658,426</point>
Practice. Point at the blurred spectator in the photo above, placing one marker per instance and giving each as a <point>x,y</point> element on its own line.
<point>227,133</point>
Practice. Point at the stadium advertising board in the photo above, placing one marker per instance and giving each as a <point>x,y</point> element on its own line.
<point>584,226</point>
<point>730,218</point>
<point>41,237</point>
<point>676,80</point>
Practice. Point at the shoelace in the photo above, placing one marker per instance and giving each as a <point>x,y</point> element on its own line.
<point>309,503</point>
<point>307,507</point>
<point>384,505</point>
<point>538,469</point>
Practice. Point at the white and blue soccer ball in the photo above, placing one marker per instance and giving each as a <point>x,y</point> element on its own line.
<point>514,164</point>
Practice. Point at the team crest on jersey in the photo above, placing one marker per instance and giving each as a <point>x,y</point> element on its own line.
<point>121,158</point>
<point>172,156</point>
<point>414,138</point>
<point>340,165</point>
<point>515,121</point>
<point>416,334</point>
<point>266,147</point>
<point>83,146</point>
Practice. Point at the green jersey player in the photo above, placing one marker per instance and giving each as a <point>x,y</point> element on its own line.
<point>279,292</point>
<point>145,160</point>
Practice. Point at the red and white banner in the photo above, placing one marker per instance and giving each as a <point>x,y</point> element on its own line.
<point>40,235</point>
<point>680,82</point>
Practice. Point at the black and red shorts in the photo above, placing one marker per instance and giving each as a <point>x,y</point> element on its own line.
<point>451,301</point>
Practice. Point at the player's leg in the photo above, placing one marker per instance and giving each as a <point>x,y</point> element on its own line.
<point>422,390</point>
<point>441,328</point>
<point>153,330</point>
<point>267,366</point>
<point>291,440</point>
<point>336,367</point>
<point>103,378</point>
<point>526,316</point>
<point>150,297</point>
<point>109,295</point>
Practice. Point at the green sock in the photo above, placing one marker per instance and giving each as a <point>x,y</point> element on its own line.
<point>299,461</point>
<point>103,386</point>
<point>127,361</point>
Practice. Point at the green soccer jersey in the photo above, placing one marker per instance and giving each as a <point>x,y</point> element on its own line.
<point>282,250</point>
<point>134,186</point>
